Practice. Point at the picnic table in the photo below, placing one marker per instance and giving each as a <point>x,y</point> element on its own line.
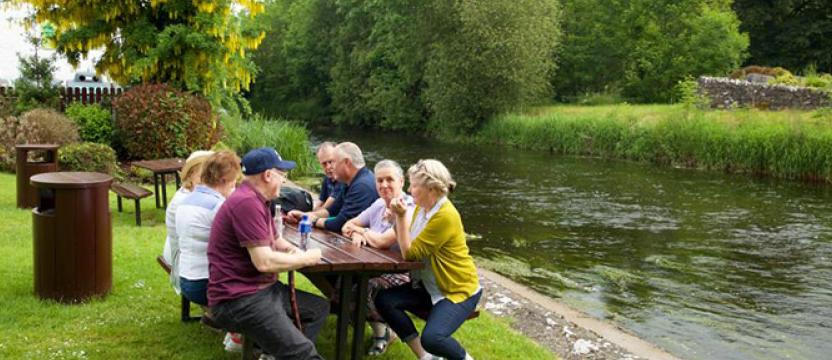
<point>355,265</point>
<point>160,168</point>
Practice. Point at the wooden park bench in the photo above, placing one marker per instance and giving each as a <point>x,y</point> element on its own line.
<point>134,192</point>
<point>185,303</point>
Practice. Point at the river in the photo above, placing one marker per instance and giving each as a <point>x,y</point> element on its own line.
<point>703,264</point>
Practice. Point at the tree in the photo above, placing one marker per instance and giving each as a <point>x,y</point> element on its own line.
<point>644,47</point>
<point>444,66</point>
<point>35,87</point>
<point>790,33</point>
<point>195,45</point>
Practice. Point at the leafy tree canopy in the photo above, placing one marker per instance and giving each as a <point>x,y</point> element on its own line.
<point>789,33</point>
<point>195,45</point>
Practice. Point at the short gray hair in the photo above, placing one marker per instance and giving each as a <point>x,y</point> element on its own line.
<point>432,174</point>
<point>390,164</point>
<point>351,151</point>
<point>324,145</point>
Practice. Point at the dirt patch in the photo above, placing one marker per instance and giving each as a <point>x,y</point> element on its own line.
<point>564,331</point>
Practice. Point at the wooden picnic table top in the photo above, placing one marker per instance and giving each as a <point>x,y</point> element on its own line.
<point>339,254</point>
<point>161,165</point>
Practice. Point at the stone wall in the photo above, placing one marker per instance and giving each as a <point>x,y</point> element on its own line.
<point>728,93</point>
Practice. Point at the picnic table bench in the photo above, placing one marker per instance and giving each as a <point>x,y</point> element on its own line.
<point>130,191</point>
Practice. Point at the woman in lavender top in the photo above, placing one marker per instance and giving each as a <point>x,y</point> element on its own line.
<point>374,227</point>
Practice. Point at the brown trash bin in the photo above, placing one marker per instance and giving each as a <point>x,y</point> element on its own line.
<point>72,232</point>
<point>27,196</point>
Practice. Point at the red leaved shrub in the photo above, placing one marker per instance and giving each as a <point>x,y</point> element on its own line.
<point>156,121</point>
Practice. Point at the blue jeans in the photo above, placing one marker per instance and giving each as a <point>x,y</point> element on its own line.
<point>445,317</point>
<point>195,290</point>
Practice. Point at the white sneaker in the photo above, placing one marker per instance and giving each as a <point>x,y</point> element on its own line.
<point>266,357</point>
<point>233,342</point>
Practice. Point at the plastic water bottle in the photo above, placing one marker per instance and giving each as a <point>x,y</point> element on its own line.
<point>305,229</point>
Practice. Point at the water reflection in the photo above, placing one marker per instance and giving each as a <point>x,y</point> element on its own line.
<point>705,265</point>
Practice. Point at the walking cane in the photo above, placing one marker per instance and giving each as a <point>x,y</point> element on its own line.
<point>293,300</point>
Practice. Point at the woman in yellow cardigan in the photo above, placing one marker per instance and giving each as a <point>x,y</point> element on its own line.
<point>448,286</point>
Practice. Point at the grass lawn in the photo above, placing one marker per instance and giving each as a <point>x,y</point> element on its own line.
<point>139,319</point>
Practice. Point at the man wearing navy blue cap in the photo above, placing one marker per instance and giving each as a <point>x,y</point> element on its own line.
<point>244,254</point>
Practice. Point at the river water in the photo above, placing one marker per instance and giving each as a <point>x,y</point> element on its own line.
<point>703,264</point>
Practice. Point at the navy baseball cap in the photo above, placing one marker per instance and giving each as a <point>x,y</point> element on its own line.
<point>262,159</point>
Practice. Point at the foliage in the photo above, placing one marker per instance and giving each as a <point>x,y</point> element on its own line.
<point>6,105</point>
<point>488,58</point>
<point>88,156</point>
<point>12,132</point>
<point>289,138</point>
<point>687,91</point>
<point>605,97</point>
<point>755,69</point>
<point>34,88</point>
<point>193,45</point>
<point>437,65</point>
<point>788,33</point>
<point>786,144</point>
<point>811,78</point>
<point>295,60</point>
<point>94,123</point>
<point>49,127</point>
<point>157,121</point>
<point>34,127</point>
<point>644,47</point>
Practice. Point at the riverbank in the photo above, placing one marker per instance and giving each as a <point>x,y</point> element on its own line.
<point>783,144</point>
<point>565,331</point>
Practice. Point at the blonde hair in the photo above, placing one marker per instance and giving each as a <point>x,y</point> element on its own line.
<point>193,166</point>
<point>432,174</point>
<point>221,167</point>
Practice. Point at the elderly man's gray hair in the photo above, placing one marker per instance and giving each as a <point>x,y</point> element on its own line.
<point>390,164</point>
<point>351,151</point>
<point>324,145</point>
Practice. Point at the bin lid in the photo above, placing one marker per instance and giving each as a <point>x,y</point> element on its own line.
<point>37,146</point>
<point>70,180</point>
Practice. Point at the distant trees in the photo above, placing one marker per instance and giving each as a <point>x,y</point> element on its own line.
<point>790,33</point>
<point>435,65</point>
<point>642,48</point>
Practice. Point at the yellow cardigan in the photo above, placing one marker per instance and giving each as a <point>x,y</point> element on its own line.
<point>443,242</point>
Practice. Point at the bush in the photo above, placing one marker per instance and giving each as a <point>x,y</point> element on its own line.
<point>35,127</point>
<point>157,121</point>
<point>762,70</point>
<point>49,127</point>
<point>94,123</point>
<point>6,106</point>
<point>89,156</point>
<point>289,138</point>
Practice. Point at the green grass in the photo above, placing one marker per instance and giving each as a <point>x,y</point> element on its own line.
<point>787,144</point>
<point>139,319</point>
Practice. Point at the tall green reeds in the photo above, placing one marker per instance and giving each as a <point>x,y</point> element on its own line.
<point>291,139</point>
<point>794,145</point>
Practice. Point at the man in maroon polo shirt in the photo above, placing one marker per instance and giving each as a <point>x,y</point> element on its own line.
<point>244,254</point>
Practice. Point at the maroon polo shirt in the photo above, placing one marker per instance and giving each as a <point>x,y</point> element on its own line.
<point>243,220</point>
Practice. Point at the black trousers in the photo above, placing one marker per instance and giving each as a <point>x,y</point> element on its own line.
<point>266,318</point>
